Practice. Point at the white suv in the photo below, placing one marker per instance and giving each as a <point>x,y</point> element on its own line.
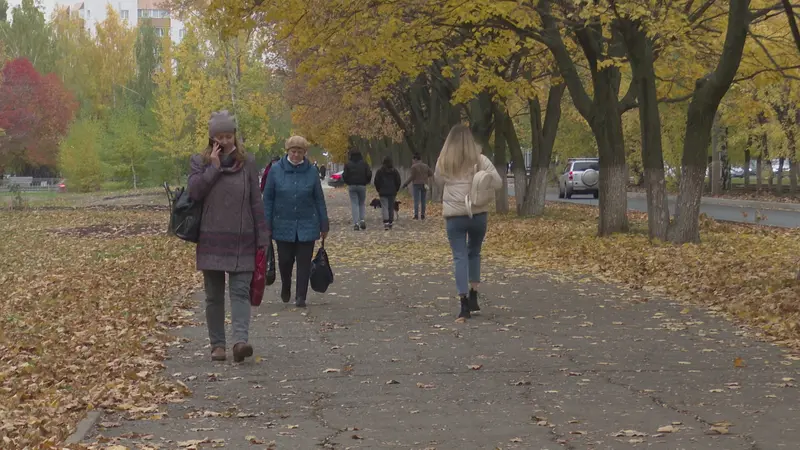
<point>580,176</point>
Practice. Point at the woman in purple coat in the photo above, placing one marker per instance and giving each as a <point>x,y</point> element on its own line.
<point>232,227</point>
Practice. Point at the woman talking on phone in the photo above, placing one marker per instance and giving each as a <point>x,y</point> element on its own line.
<point>225,179</point>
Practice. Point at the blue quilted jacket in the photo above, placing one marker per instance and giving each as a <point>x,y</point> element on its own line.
<point>294,205</point>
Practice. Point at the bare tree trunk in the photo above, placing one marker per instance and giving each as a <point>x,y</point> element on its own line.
<point>779,185</point>
<point>613,167</point>
<point>792,162</point>
<point>517,164</point>
<point>747,162</point>
<point>768,161</point>
<point>759,174</point>
<point>500,160</point>
<point>716,154</point>
<point>640,50</point>
<point>602,111</point>
<point>543,136</point>
<point>703,107</point>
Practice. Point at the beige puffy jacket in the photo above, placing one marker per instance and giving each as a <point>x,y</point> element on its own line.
<point>456,189</point>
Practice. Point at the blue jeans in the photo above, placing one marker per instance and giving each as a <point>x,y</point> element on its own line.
<point>358,202</point>
<point>419,194</point>
<point>466,237</point>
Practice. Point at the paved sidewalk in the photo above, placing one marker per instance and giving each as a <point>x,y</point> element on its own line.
<point>549,363</point>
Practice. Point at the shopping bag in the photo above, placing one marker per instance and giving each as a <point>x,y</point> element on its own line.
<point>257,284</point>
<point>321,272</point>
<point>270,264</point>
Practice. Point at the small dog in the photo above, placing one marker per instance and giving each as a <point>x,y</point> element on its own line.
<point>376,203</point>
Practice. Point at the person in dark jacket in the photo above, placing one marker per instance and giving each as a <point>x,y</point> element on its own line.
<point>232,227</point>
<point>357,175</point>
<point>266,171</point>
<point>322,172</point>
<point>296,216</point>
<point>387,183</point>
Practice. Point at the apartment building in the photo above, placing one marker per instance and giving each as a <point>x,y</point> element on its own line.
<point>132,11</point>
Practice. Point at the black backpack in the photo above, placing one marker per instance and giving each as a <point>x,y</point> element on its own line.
<point>184,220</point>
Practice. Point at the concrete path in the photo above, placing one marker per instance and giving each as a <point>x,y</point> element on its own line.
<point>549,363</point>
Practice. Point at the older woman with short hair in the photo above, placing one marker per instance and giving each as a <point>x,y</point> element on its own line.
<point>296,216</point>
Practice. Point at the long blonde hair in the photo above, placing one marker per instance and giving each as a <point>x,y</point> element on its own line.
<point>459,154</point>
<point>238,152</point>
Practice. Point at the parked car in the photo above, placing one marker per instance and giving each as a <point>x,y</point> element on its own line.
<point>580,176</point>
<point>335,180</point>
<point>737,172</point>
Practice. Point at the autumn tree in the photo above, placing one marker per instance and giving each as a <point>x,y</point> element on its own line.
<point>35,112</point>
<point>112,61</point>
<point>705,99</point>
<point>171,138</point>
<point>27,35</point>
<point>73,47</point>
<point>79,156</point>
<point>147,58</point>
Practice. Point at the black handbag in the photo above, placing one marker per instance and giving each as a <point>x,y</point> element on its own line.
<point>270,264</point>
<point>184,220</point>
<point>321,272</point>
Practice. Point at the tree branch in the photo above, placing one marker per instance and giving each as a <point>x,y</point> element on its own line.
<point>629,102</point>
<point>787,7</point>
<point>564,61</point>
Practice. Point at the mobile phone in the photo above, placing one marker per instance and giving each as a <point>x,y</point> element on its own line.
<point>211,142</point>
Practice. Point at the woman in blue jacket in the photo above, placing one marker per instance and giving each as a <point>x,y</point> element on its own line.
<point>296,216</point>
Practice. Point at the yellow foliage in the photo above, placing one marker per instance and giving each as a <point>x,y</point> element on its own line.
<point>112,61</point>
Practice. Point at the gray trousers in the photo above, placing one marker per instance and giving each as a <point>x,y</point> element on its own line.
<point>358,202</point>
<point>239,292</point>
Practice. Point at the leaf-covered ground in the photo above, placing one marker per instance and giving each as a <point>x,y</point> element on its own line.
<point>83,311</point>
<point>86,293</point>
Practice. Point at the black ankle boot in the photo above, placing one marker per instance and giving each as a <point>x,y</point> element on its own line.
<point>464,308</point>
<point>473,300</point>
<point>286,294</point>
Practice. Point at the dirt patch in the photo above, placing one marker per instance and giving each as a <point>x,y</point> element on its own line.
<point>108,231</point>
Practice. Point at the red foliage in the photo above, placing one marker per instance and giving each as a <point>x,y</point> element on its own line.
<point>35,112</point>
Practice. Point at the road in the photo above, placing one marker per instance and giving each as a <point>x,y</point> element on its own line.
<point>771,214</point>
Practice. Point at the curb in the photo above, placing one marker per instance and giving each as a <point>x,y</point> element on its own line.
<point>83,427</point>
<point>755,204</point>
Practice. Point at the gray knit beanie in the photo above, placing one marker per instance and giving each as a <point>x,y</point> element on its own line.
<point>221,122</point>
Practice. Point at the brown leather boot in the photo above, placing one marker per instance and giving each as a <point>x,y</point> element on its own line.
<point>241,351</point>
<point>218,354</point>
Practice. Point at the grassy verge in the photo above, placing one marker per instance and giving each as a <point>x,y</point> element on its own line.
<point>82,313</point>
<point>747,271</point>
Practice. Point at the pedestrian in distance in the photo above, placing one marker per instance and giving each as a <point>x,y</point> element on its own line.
<point>469,180</point>
<point>387,183</point>
<point>225,178</point>
<point>419,177</point>
<point>357,175</point>
<point>296,216</point>
<point>272,161</point>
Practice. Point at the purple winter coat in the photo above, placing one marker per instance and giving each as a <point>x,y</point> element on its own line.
<point>233,225</point>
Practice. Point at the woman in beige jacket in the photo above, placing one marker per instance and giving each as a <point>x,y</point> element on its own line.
<point>455,170</point>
